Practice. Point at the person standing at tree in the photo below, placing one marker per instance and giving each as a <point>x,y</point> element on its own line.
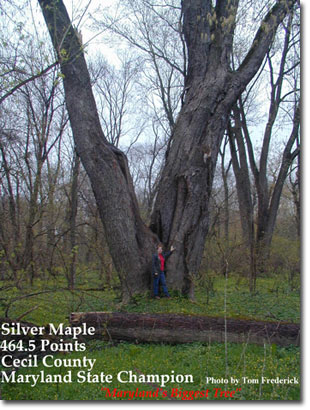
<point>158,270</point>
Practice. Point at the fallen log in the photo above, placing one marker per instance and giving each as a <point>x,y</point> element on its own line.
<point>175,328</point>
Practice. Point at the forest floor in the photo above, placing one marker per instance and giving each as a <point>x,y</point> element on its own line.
<point>273,300</point>
<point>50,302</point>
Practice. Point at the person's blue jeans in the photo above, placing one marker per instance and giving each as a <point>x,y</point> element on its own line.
<point>160,279</point>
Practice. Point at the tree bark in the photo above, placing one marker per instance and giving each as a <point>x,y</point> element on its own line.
<point>174,328</point>
<point>10,239</point>
<point>295,190</point>
<point>225,172</point>
<point>288,157</point>
<point>243,183</point>
<point>181,213</point>
<point>72,214</point>
<point>130,242</point>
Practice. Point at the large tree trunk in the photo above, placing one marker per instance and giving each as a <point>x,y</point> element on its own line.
<point>129,240</point>
<point>181,209</point>
<point>181,213</point>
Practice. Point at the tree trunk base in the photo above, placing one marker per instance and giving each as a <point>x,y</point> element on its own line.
<point>174,328</point>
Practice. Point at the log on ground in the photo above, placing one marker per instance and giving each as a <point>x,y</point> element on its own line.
<point>175,328</point>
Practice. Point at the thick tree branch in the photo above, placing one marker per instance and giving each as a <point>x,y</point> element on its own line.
<point>263,40</point>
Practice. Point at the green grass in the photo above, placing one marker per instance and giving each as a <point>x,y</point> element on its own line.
<point>272,301</point>
<point>266,304</point>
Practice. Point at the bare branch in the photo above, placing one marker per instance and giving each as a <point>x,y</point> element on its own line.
<point>28,80</point>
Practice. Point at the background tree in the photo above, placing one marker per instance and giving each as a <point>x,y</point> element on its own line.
<point>153,33</point>
<point>284,93</point>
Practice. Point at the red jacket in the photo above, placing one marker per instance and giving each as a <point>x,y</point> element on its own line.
<point>156,261</point>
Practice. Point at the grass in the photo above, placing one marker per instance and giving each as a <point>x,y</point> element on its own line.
<point>270,302</point>
<point>273,301</point>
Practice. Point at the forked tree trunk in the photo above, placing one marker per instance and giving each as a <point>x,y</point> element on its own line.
<point>181,215</point>
<point>181,209</point>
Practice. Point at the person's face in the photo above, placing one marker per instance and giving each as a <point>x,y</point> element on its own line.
<point>160,250</point>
